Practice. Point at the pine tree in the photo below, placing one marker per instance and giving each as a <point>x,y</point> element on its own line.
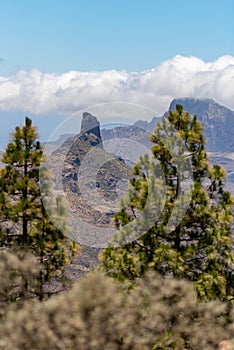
<point>197,244</point>
<point>25,223</point>
<point>20,177</point>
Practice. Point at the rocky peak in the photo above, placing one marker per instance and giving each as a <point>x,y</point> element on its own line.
<point>217,120</point>
<point>90,125</point>
<point>201,107</point>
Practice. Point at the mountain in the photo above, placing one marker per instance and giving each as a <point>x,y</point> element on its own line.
<point>88,178</point>
<point>77,161</point>
<point>217,120</point>
<point>101,186</point>
<point>88,173</point>
<point>218,123</point>
<point>133,132</point>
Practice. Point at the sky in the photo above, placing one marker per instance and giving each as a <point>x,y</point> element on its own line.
<point>59,57</point>
<point>57,36</point>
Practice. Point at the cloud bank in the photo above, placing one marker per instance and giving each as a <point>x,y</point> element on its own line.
<point>36,92</point>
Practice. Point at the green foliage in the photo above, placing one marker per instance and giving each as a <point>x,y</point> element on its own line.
<point>20,177</point>
<point>25,224</point>
<point>198,246</point>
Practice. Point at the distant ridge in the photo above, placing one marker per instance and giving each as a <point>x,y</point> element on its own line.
<point>217,120</point>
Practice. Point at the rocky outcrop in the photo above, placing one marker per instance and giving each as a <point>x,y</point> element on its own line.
<point>90,125</point>
<point>100,185</point>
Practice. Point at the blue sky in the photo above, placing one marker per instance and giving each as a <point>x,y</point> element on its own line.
<point>60,56</point>
<point>59,36</point>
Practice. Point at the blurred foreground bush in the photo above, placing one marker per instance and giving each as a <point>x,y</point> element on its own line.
<point>101,314</point>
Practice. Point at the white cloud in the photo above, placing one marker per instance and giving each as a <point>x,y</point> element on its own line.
<point>39,93</point>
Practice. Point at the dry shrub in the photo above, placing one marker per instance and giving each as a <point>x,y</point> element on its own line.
<point>99,313</point>
<point>17,285</point>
